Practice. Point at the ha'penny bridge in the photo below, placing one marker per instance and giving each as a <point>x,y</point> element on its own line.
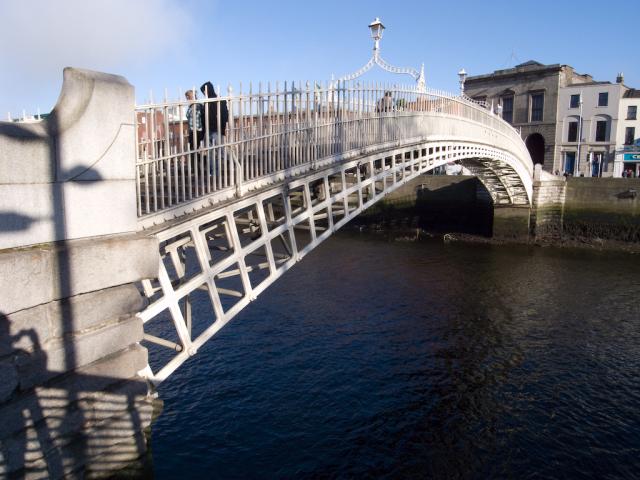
<point>296,165</point>
<point>117,219</point>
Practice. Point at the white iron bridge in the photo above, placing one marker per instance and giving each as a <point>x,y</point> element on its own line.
<point>234,212</point>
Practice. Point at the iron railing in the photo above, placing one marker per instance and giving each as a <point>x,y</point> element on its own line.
<point>274,132</point>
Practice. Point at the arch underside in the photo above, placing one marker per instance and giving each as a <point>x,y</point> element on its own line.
<point>220,258</point>
<point>500,179</point>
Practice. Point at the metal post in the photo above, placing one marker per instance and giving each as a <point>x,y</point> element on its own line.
<point>576,169</point>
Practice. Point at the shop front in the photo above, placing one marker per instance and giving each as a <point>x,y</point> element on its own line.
<point>631,164</point>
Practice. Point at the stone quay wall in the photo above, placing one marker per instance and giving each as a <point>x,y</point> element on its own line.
<point>72,400</point>
<point>583,209</point>
<point>603,208</point>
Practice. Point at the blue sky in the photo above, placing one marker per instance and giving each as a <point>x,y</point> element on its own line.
<point>158,44</point>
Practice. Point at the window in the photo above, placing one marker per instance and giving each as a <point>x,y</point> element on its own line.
<point>537,104</point>
<point>632,110</point>
<point>575,101</point>
<point>601,131</point>
<point>507,109</point>
<point>629,135</point>
<point>603,99</point>
<point>573,132</point>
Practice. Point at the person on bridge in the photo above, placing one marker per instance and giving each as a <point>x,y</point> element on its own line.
<point>385,104</point>
<point>195,121</point>
<point>214,121</point>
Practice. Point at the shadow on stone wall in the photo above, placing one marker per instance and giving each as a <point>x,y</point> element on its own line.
<point>57,424</point>
<point>86,416</point>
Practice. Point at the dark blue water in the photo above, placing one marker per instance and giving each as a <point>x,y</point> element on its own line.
<point>418,360</point>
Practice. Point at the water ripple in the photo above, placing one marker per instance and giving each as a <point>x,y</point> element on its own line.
<point>387,360</point>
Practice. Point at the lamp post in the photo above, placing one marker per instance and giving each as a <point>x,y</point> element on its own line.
<point>376,28</point>
<point>462,75</point>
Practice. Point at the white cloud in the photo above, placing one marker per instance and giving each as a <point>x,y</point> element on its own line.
<point>38,38</point>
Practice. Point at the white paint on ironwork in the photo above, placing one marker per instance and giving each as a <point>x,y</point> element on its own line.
<point>284,133</point>
<point>377,28</point>
<point>256,233</point>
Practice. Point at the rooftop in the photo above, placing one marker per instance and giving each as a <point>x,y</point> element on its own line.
<point>529,66</point>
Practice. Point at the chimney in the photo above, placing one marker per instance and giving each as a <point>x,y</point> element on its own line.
<point>620,78</point>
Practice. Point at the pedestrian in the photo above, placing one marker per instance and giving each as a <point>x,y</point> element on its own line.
<point>194,120</point>
<point>385,104</point>
<point>213,108</point>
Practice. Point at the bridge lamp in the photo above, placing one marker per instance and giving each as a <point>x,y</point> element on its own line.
<point>376,28</point>
<point>462,75</point>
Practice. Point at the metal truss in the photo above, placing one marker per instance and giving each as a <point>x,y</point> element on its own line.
<point>229,254</point>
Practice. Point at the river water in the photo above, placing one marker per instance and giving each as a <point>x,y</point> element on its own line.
<point>376,358</point>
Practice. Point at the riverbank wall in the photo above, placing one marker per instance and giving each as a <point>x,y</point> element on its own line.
<point>438,204</point>
<point>604,208</point>
<point>563,210</point>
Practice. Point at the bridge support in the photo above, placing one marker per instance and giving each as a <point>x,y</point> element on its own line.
<point>511,222</point>
<point>549,193</point>
<point>71,400</point>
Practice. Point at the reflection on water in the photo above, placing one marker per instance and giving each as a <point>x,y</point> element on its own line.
<point>418,360</point>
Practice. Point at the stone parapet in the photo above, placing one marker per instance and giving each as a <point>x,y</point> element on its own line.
<point>71,175</point>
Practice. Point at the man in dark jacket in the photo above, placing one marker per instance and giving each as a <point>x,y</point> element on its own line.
<point>214,108</point>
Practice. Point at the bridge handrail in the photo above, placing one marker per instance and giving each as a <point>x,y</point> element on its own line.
<point>277,130</point>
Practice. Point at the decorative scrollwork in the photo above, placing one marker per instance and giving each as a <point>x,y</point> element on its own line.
<point>377,60</point>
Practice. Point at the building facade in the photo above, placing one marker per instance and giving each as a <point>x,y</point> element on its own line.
<point>526,96</point>
<point>628,135</point>
<point>587,128</point>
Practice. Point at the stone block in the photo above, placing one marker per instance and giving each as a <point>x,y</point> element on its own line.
<point>72,352</point>
<point>93,208</point>
<point>66,442</point>
<point>28,329</point>
<point>93,125</point>
<point>90,310</point>
<point>119,365</point>
<point>26,278</point>
<point>28,212</point>
<point>38,275</point>
<point>89,265</point>
<point>55,398</point>
<point>24,330</point>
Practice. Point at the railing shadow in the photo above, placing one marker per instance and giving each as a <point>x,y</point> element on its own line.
<point>70,423</point>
